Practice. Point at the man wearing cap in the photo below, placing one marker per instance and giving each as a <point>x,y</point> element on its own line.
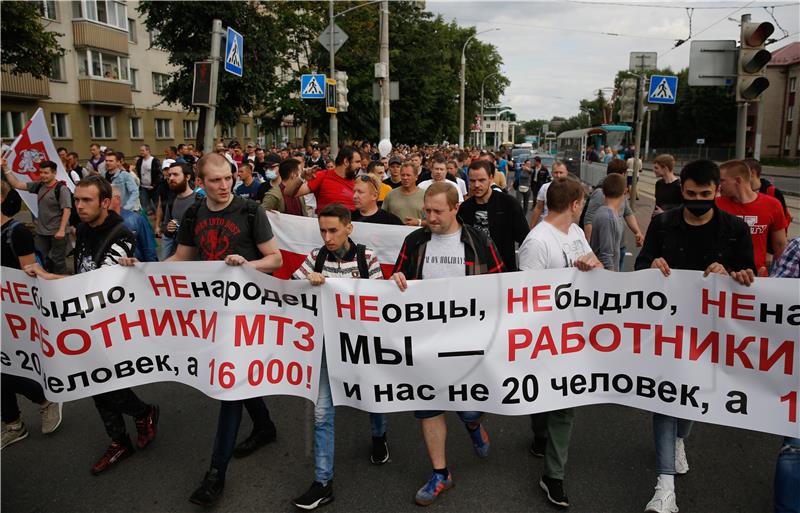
<point>394,172</point>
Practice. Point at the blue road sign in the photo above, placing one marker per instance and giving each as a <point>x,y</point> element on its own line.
<point>312,87</point>
<point>663,89</point>
<point>234,51</point>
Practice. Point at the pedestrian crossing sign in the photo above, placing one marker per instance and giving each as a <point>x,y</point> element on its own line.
<point>234,49</point>
<point>663,89</point>
<point>312,87</point>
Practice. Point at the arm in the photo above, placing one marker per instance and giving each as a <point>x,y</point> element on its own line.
<point>272,259</point>
<point>602,242</point>
<point>35,270</point>
<point>779,242</point>
<point>270,202</point>
<point>300,191</point>
<point>159,216</point>
<point>13,180</point>
<point>62,228</point>
<point>133,193</point>
<point>633,224</point>
<point>537,213</point>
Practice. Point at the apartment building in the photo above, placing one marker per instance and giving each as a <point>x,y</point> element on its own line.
<point>105,89</point>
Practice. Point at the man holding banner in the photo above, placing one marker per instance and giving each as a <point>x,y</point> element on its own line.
<point>445,248</point>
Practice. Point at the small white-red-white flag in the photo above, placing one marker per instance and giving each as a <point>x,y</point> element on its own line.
<point>32,147</point>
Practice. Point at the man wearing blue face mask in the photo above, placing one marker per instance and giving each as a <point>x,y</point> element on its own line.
<point>287,174</point>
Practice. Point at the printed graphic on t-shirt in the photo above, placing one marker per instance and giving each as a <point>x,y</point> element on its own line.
<point>752,222</point>
<point>444,259</point>
<point>482,222</point>
<point>572,250</point>
<point>216,236</point>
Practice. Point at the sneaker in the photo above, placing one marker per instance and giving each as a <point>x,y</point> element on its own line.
<point>538,447</point>
<point>146,427</point>
<point>480,441</point>
<point>662,502</point>
<point>51,417</point>
<point>380,450</point>
<point>315,497</point>
<point>115,452</point>
<point>681,463</point>
<point>256,440</point>
<point>210,489</point>
<point>13,433</point>
<point>433,488</point>
<point>554,488</point>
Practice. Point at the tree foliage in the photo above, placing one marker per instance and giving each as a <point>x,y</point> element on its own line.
<point>27,46</point>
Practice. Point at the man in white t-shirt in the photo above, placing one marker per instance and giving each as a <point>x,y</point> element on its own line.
<point>559,170</point>
<point>555,243</point>
<point>439,175</point>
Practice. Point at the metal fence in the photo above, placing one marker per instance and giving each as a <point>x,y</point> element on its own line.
<point>687,154</point>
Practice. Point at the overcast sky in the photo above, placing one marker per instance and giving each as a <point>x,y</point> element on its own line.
<point>556,53</point>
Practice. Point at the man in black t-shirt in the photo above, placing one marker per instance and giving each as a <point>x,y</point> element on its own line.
<point>365,199</point>
<point>394,172</point>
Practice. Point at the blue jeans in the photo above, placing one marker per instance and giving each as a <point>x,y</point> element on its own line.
<point>666,429</point>
<point>622,251</point>
<point>146,199</point>
<point>168,246</point>
<point>230,417</point>
<point>324,433</point>
<point>787,477</point>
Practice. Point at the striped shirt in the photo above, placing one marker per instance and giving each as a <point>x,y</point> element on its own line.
<point>346,267</point>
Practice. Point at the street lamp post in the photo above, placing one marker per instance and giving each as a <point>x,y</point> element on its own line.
<point>482,134</point>
<point>463,84</point>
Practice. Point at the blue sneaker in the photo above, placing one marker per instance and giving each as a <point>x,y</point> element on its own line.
<point>480,441</point>
<point>435,486</point>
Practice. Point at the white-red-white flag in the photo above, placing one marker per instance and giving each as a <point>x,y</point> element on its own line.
<point>32,147</point>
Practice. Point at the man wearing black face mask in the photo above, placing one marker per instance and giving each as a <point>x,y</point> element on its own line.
<point>697,236</point>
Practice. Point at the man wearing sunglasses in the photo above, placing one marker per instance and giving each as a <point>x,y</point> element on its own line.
<point>365,199</point>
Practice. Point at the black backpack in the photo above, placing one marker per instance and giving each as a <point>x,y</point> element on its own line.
<point>74,219</point>
<point>252,210</point>
<point>8,234</point>
<point>361,259</point>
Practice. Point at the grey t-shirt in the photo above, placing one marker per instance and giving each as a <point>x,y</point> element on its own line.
<point>596,200</point>
<point>51,207</point>
<point>607,237</point>
<point>178,208</point>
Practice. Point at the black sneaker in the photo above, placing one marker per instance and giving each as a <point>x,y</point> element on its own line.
<point>256,440</point>
<point>210,489</point>
<point>538,446</point>
<point>380,450</point>
<point>315,497</point>
<point>554,488</point>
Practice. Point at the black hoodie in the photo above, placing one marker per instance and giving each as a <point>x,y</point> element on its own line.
<point>102,245</point>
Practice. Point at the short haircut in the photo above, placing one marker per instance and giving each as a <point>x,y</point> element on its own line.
<point>180,146</point>
<point>287,167</point>
<point>483,164</point>
<point>102,185</point>
<point>562,192</point>
<point>246,165</point>
<point>372,165</point>
<point>537,159</point>
<point>450,192</point>
<point>60,149</point>
<point>410,163</point>
<point>736,168</point>
<point>173,149</point>
<point>186,169</point>
<point>73,154</point>
<point>116,154</point>
<point>336,210</point>
<point>614,186</point>
<point>146,147</point>
<point>211,159</point>
<point>438,159</point>
<point>616,166</point>
<point>665,160</point>
<point>701,172</point>
<point>559,163</point>
<point>754,165</point>
<point>94,145</point>
<point>49,164</point>
<point>370,179</point>
<point>345,153</point>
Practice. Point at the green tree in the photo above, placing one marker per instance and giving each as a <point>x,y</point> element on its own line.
<point>27,46</point>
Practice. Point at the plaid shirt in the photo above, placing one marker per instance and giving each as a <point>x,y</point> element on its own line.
<point>789,264</point>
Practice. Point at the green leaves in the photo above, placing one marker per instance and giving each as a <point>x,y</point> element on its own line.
<point>27,46</point>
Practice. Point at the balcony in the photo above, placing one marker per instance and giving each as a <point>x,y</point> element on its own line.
<point>104,92</point>
<point>94,35</point>
<point>24,86</point>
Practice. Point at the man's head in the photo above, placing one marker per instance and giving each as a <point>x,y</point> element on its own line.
<point>215,173</point>
<point>394,167</point>
<point>566,195</point>
<point>365,192</point>
<point>365,161</point>
<point>116,199</point>
<point>441,208</point>
<point>663,164</point>
<point>72,160</point>
<point>113,161</point>
<point>700,181</point>
<point>220,148</point>
<point>734,177</point>
<point>179,177</point>
<point>144,151</point>
<point>452,167</point>
<point>755,173</point>
<point>348,159</point>
<point>438,168</point>
<point>62,154</point>
<point>376,169</point>
<point>481,178</point>
<point>335,226</point>
<point>614,186</point>
<point>92,199</point>
<point>245,173</point>
<point>408,175</point>
<point>289,171</point>
<point>94,149</point>
<point>251,148</point>
<point>617,167</point>
<point>559,170</point>
<point>47,171</point>
<point>171,152</point>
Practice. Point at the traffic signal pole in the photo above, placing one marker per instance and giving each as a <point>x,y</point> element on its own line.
<point>741,114</point>
<point>211,111</point>
<point>334,126</point>
<point>638,152</point>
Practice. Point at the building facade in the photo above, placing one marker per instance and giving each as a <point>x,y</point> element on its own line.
<point>780,133</point>
<point>105,89</point>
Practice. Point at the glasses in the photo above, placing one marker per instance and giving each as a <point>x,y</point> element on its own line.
<point>367,179</point>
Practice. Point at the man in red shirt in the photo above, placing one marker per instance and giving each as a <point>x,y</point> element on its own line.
<point>762,213</point>
<point>334,185</point>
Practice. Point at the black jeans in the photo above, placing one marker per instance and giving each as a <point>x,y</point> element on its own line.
<point>13,385</point>
<point>112,405</point>
<point>230,417</point>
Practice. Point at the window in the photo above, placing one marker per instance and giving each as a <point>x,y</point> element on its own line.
<point>159,82</point>
<point>135,79</point>
<point>11,124</point>
<point>790,114</point>
<point>132,38</point>
<point>246,130</point>
<point>101,127</point>
<point>792,84</point>
<point>163,128</point>
<point>229,131</point>
<point>57,69</point>
<point>189,129</point>
<point>154,37</point>
<point>47,9</point>
<point>59,125</point>
<point>786,142</point>
<point>108,12</point>
<point>103,65</point>
<point>136,128</point>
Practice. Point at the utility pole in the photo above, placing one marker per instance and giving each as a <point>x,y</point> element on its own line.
<point>211,112</point>
<point>334,126</point>
<point>638,152</point>
<point>647,134</point>
<point>385,83</point>
<point>741,112</point>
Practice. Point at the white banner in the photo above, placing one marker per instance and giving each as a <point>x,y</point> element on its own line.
<point>29,149</point>
<point>230,332</point>
<point>696,348</point>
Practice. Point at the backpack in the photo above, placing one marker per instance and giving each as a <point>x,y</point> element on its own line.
<point>771,192</point>
<point>8,233</point>
<point>100,251</point>
<point>74,219</point>
<point>361,258</point>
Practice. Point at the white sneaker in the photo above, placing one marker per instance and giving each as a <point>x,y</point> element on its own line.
<point>51,417</point>
<point>681,463</point>
<point>662,502</point>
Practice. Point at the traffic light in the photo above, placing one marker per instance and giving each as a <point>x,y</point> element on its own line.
<point>753,60</point>
<point>627,101</point>
<point>341,91</point>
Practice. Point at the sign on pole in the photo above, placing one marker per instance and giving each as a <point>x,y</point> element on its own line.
<point>330,96</point>
<point>642,61</point>
<point>712,63</point>
<point>201,87</point>
<point>312,87</point>
<point>663,89</point>
<point>339,37</point>
<point>234,53</point>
